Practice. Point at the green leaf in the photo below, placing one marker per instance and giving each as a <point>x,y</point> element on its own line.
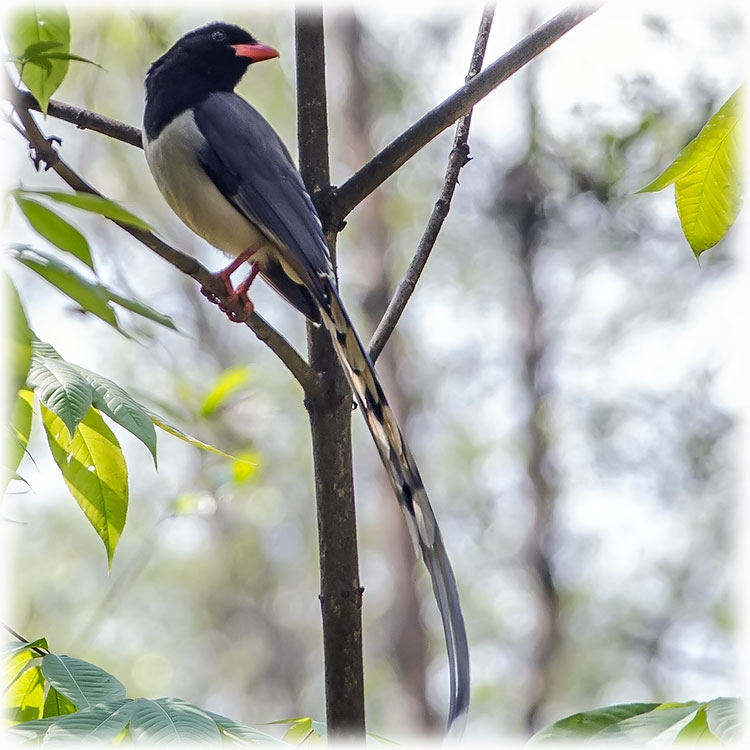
<point>34,49</point>
<point>724,716</point>
<point>89,295</point>
<point>50,225</point>
<point>13,647</point>
<point>245,466</point>
<point>20,425</point>
<point>120,406</point>
<point>662,725</point>
<point>97,204</point>
<point>239,731</point>
<point>171,721</point>
<point>83,683</point>
<point>229,382</point>
<point>56,704</point>
<point>25,697</point>
<point>65,56</point>
<point>176,432</point>
<point>62,388</point>
<point>697,732</point>
<point>590,723</point>
<point>94,469</point>
<point>20,341</point>
<point>98,725</point>
<point>16,663</point>
<point>708,176</point>
<point>142,309</point>
<point>32,25</point>
<point>30,731</point>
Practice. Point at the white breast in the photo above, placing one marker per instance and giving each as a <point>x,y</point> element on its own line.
<point>192,196</point>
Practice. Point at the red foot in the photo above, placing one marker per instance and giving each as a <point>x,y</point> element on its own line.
<point>238,295</point>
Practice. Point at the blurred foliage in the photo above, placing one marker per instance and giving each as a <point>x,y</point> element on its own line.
<point>212,595</point>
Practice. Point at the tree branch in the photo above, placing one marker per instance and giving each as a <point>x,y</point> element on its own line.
<point>39,651</point>
<point>458,158</point>
<point>398,152</point>
<point>46,153</point>
<point>84,119</point>
<point>330,409</point>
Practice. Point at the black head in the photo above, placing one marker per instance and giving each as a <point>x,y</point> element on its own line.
<point>209,59</point>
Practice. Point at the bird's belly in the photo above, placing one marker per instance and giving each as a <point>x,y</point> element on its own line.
<point>172,158</point>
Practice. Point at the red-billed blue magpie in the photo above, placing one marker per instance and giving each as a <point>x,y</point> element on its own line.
<point>226,173</point>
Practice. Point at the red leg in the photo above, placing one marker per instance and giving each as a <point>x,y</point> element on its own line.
<point>240,293</point>
<point>226,273</point>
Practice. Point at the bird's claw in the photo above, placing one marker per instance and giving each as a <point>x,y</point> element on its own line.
<point>47,157</point>
<point>229,303</point>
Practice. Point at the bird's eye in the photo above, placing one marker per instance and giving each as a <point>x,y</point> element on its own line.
<point>219,36</point>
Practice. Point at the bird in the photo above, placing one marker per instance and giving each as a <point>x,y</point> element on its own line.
<point>228,176</point>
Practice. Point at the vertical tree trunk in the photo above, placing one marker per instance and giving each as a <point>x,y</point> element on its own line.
<point>329,407</point>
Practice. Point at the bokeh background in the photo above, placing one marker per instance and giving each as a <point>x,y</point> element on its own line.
<point>569,377</point>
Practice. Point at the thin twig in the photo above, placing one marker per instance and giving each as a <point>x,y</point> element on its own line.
<point>85,119</point>
<point>45,152</point>
<point>438,119</point>
<point>458,158</point>
<point>39,650</point>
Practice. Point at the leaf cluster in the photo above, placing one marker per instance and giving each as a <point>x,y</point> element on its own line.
<point>53,699</point>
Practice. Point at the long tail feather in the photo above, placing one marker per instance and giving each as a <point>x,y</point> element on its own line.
<point>407,483</point>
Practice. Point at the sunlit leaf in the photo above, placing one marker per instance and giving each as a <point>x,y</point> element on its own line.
<point>304,730</point>
<point>92,203</point>
<point>56,704</point>
<point>696,732</point>
<point>171,721</point>
<point>25,697</point>
<point>245,466</point>
<point>62,388</point>
<point>19,351</point>
<point>20,425</point>
<point>55,229</point>
<point>97,725</point>
<point>83,683</point>
<point>93,467</point>
<point>709,177</point>
<point>15,663</point>
<point>178,433</point>
<point>229,382</point>
<point>32,24</point>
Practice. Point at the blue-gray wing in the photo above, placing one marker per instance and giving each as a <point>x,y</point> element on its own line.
<point>249,164</point>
